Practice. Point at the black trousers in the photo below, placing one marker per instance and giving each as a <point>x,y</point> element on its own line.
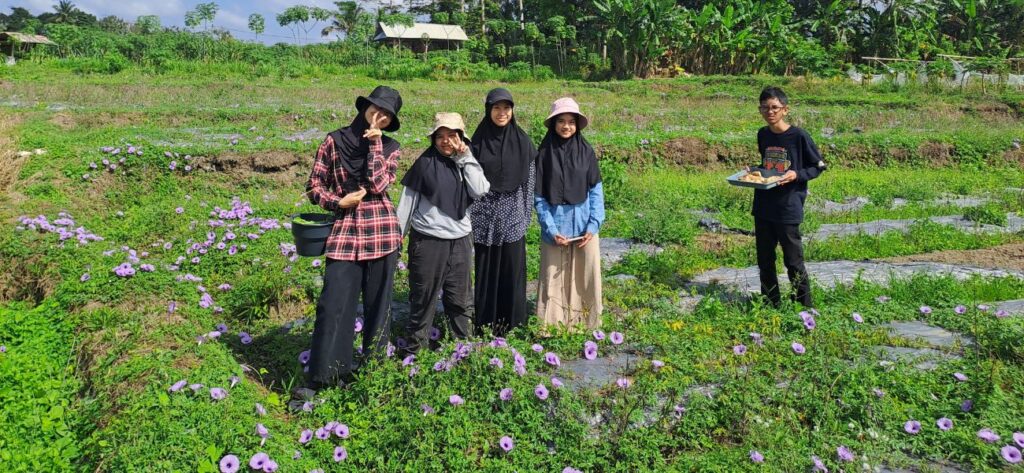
<point>334,329</point>
<point>437,265</point>
<point>500,295</point>
<point>768,235</point>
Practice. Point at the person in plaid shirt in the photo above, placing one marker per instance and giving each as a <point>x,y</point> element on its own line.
<point>354,167</point>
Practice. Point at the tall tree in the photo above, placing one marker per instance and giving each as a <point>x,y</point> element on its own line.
<point>344,19</point>
<point>257,24</point>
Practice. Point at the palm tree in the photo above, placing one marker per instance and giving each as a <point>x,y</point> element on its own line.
<point>345,19</point>
<point>65,12</point>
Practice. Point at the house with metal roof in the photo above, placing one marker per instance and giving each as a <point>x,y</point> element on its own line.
<point>421,37</point>
<point>13,42</point>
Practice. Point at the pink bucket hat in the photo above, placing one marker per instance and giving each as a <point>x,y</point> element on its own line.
<point>567,105</point>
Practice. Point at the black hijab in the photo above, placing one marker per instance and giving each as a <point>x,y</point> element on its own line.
<point>437,178</point>
<point>505,153</point>
<point>566,168</point>
<point>353,149</point>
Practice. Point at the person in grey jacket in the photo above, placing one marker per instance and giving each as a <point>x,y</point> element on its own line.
<point>433,209</point>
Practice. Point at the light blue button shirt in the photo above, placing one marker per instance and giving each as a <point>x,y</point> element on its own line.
<point>570,220</point>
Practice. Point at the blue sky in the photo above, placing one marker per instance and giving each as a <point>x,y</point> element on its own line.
<point>233,14</point>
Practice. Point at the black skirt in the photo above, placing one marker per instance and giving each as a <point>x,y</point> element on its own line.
<point>500,293</point>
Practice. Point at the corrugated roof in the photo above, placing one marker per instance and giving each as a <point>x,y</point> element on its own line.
<point>417,30</point>
<point>27,38</point>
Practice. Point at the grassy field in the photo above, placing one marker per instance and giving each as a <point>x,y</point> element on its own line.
<point>91,354</point>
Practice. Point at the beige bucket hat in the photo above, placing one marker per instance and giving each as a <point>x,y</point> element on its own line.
<point>449,120</point>
<point>567,105</point>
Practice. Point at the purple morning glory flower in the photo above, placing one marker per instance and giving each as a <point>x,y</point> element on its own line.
<point>925,310</point>
<point>556,383</point>
<point>341,430</point>
<point>808,319</point>
<point>739,349</point>
<point>222,328</point>
<point>427,410</point>
<point>258,460</point>
<point>589,350</point>
<point>340,454</point>
<point>657,364</point>
<point>960,376</point>
<point>507,444</point>
<point>316,263</point>
<point>401,266</point>
<point>409,360</point>
<point>234,381</point>
<point>983,307</point>
<point>819,466</point>
<point>988,435</point>
<point>322,433</point>
<point>623,383</point>
<point>85,277</point>
<point>679,410</point>
<point>177,386</point>
<point>960,310</point>
<point>359,324</point>
<point>944,423</point>
<point>435,333</point>
<point>844,454</point>
<point>245,338</point>
<point>541,392</point>
<point>1002,314</point>
<point>262,431</point>
<point>617,338</point>
<point>307,406</point>
<point>757,338</point>
<point>878,392</point>
<point>1011,454</point>
<point>305,436</point>
<point>304,357</point>
<point>756,456</point>
<point>537,348</point>
<point>857,318</point>
<point>552,359</point>
<point>1018,438</point>
<point>967,405</point>
<point>505,394</point>
<point>297,455</point>
<point>218,393</point>
<point>456,400</point>
<point>912,427</point>
<point>567,469</point>
<point>798,348</point>
<point>497,363</point>
<point>229,464</point>
<point>598,335</point>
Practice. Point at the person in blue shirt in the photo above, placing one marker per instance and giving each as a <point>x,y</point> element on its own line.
<point>570,209</point>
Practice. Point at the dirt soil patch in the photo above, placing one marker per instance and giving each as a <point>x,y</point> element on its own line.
<point>718,243</point>
<point>1010,256</point>
<point>689,151</point>
<point>8,156</point>
<point>275,164</point>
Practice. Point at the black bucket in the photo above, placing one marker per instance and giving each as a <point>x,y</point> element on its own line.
<point>311,235</point>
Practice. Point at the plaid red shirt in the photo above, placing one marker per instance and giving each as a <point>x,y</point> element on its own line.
<point>369,230</point>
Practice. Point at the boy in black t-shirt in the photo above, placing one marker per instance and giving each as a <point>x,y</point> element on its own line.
<point>779,211</point>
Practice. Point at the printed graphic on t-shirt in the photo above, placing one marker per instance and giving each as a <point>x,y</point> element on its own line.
<point>776,158</point>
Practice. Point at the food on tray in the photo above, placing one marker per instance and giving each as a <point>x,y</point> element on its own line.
<point>756,177</point>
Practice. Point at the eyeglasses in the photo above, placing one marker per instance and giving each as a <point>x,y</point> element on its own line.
<point>773,108</point>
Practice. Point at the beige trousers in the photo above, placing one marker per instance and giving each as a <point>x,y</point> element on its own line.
<point>569,289</point>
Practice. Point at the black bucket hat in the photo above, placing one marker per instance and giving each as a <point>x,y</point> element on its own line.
<point>386,99</point>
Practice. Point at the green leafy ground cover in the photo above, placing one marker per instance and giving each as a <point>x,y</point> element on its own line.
<point>91,354</point>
